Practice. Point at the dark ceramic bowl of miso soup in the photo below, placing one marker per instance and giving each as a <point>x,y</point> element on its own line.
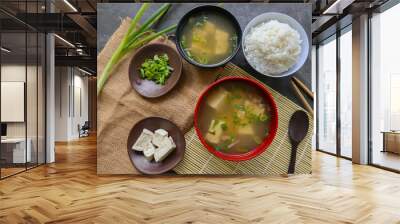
<point>208,36</point>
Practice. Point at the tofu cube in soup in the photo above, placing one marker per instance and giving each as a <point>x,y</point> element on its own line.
<point>257,109</point>
<point>216,99</point>
<point>209,28</point>
<point>221,42</point>
<point>202,31</point>
<point>245,130</point>
<point>199,44</point>
<point>200,50</point>
<point>215,131</point>
<point>213,138</point>
<point>209,38</point>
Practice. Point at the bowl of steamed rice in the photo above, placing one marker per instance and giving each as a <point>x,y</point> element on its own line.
<point>275,44</point>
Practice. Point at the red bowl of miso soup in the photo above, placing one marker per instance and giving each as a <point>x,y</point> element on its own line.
<point>236,118</point>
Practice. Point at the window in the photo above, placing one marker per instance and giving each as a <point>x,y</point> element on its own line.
<point>22,75</point>
<point>334,106</point>
<point>314,87</point>
<point>385,89</point>
<point>394,114</point>
<point>346,93</point>
<point>327,96</point>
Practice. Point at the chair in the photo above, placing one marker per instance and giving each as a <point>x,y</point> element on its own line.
<point>84,130</point>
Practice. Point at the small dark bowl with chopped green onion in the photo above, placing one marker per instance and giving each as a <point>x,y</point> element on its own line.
<point>196,46</point>
<point>155,69</point>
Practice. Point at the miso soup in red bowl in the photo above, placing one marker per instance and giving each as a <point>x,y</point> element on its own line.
<point>236,118</point>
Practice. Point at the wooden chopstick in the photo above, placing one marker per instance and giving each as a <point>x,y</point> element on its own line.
<point>301,97</point>
<point>304,87</point>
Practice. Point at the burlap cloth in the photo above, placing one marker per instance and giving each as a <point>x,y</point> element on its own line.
<point>120,107</point>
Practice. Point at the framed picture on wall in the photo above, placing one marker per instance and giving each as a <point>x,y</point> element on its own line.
<point>12,101</point>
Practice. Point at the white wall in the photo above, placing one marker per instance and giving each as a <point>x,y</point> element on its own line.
<point>61,103</point>
<point>70,84</point>
<point>81,103</point>
<point>13,101</point>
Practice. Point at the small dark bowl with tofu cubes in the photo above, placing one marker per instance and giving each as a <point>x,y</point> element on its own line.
<point>155,145</point>
<point>208,36</point>
<point>236,118</point>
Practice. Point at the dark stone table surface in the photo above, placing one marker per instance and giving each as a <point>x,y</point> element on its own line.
<point>109,16</point>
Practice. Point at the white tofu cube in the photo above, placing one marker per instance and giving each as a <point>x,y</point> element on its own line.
<point>143,141</point>
<point>159,137</point>
<point>217,99</point>
<point>245,130</point>
<point>221,42</point>
<point>149,152</point>
<point>167,142</point>
<point>172,142</point>
<point>162,152</point>
<point>213,138</point>
<point>161,132</point>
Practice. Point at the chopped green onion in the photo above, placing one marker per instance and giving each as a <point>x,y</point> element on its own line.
<point>134,38</point>
<point>263,117</point>
<point>156,69</point>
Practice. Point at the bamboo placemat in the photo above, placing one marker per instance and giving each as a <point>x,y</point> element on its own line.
<point>274,161</point>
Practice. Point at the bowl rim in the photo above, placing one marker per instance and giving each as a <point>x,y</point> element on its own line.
<point>273,126</point>
<point>286,73</point>
<point>183,21</point>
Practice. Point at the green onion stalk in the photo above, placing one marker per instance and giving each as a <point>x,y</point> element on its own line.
<point>134,38</point>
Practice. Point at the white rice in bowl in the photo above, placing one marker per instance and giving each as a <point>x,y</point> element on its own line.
<point>272,47</point>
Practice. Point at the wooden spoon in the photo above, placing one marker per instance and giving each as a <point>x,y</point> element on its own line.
<point>298,127</point>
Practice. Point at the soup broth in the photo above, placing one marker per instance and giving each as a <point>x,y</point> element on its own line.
<point>234,117</point>
<point>208,38</point>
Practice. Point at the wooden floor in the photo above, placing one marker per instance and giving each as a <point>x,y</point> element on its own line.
<point>5,172</point>
<point>9,171</point>
<point>69,191</point>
